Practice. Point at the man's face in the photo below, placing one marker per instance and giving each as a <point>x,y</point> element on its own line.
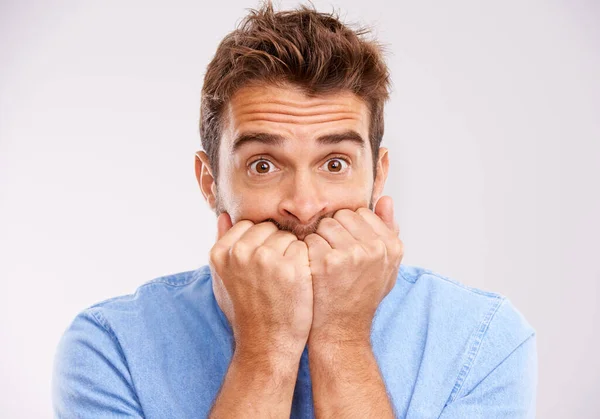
<point>293,160</point>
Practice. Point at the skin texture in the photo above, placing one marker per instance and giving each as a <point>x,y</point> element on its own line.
<point>300,257</point>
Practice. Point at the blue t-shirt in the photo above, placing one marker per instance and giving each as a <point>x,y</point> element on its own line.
<point>444,350</point>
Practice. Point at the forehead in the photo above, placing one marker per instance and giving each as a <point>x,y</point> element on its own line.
<point>288,112</point>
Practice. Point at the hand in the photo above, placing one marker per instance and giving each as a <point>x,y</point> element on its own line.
<point>354,260</point>
<point>262,282</point>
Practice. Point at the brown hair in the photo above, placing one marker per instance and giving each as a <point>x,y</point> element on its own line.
<point>312,50</point>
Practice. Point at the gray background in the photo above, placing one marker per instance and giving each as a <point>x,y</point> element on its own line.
<point>493,130</point>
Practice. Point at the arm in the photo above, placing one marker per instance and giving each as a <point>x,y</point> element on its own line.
<point>256,386</point>
<point>91,378</point>
<point>261,281</point>
<point>354,259</point>
<point>347,383</point>
<point>508,391</point>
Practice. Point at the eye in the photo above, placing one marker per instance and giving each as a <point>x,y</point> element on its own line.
<point>336,165</point>
<point>262,166</point>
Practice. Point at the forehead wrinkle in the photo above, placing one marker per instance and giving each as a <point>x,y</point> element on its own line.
<point>258,109</point>
<point>300,103</point>
<point>299,107</point>
<point>265,108</point>
<point>292,97</point>
<point>291,119</point>
<point>313,115</point>
<point>266,100</point>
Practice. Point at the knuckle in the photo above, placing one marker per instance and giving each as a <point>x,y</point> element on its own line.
<point>285,234</point>
<point>363,211</point>
<point>328,224</point>
<point>357,252</point>
<point>310,237</point>
<point>398,247</point>
<point>245,223</point>
<point>344,212</point>
<point>327,221</point>
<point>216,253</point>
<point>297,245</point>
<point>240,250</point>
<point>267,225</point>
<point>332,259</point>
<point>379,247</point>
<point>300,244</point>
<point>263,255</point>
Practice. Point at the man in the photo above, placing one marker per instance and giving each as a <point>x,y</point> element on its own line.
<point>305,308</point>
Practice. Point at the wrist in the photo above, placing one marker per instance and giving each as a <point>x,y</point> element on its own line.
<point>338,359</point>
<point>329,350</point>
<point>339,340</point>
<point>268,363</point>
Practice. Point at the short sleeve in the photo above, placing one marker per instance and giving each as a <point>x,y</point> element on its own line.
<point>91,378</point>
<point>508,391</point>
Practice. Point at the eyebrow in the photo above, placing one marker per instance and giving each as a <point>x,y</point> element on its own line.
<point>278,140</point>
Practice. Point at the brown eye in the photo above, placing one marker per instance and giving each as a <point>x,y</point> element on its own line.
<point>336,165</point>
<point>262,166</point>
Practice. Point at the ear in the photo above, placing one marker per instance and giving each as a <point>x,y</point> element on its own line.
<point>383,165</point>
<point>205,178</point>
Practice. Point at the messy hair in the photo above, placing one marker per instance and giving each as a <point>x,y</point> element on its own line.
<point>314,51</point>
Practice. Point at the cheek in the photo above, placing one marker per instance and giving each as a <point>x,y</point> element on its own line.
<point>258,203</point>
<point>351,196</point>
<point>255,205</point>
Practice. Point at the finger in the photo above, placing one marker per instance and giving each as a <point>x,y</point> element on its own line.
<point>279,241</point>
<point>335,234</point>
<point>317,246</point>
<point>223,224</point>
<point>257,234</point>
<point>384,209</point>
<point>297,250</point>
<point>234,233</point>
<point>376,223</point>
<point>356,225</point>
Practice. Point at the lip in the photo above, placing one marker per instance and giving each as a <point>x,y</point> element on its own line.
<point>302,231</point>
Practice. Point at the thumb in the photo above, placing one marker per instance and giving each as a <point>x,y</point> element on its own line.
<point>223,224</point>
<point>384,209</point>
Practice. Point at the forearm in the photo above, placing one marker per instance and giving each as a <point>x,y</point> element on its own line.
<point>347,383</point>
<point>256,388</point>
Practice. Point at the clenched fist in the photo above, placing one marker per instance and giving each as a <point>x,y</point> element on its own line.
<point>354,260</point>
<point>262,281</point>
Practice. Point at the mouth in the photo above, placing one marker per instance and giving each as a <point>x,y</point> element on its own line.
<point>300,231</point>
<point>301,236</point>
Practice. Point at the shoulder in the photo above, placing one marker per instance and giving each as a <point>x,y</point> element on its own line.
<point>128,317</point>
<point>448,296</point>
<point>152,297</point>
<point>447,299</point>
<point>162,285</point>
<point>92,363</point>
<point>420,276</point>
<point>489,334</point>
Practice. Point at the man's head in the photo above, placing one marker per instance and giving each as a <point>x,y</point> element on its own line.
<point>292,120</point>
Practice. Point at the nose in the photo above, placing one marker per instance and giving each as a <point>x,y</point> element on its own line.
<point>303,199</point>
